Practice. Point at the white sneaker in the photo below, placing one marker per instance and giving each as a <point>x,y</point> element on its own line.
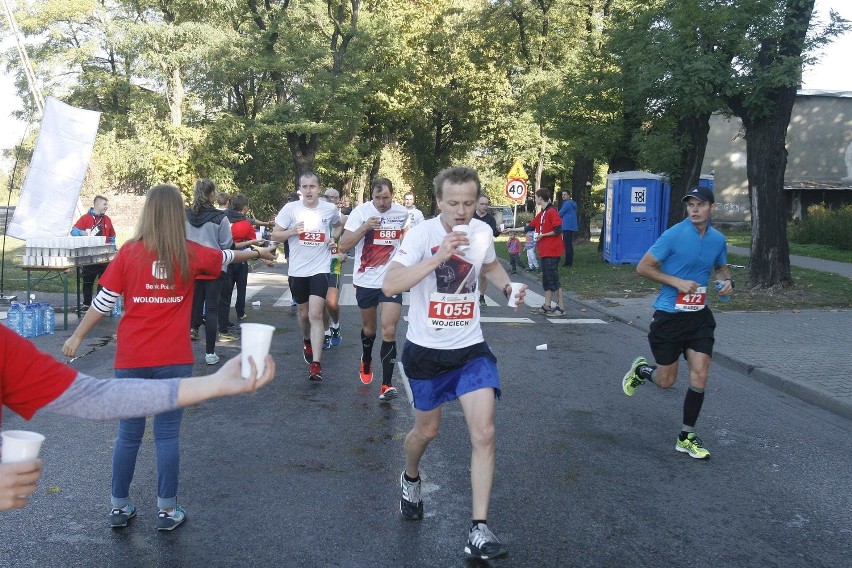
<point>211,358</point>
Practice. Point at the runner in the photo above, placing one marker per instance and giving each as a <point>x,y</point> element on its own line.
<point>376,229</point>
<point>307,225</point>
<point>331,314</point>
<point>682,260</point>
<point>445,355</point>
<point>415,215</point>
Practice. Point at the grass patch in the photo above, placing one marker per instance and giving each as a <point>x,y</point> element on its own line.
<point>742,238</point>
<point>593,279</point>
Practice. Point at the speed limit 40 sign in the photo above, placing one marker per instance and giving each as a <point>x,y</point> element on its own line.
<point>516,189</point>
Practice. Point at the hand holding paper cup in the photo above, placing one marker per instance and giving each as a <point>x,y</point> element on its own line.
<point>516,289</point>
<point>20,445</point>
<point>462,229</point>
<point>256,339</point>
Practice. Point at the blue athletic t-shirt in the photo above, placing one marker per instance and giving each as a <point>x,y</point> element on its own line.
<point>684,253</point>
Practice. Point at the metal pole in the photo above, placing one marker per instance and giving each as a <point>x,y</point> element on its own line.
<point>25,60</point>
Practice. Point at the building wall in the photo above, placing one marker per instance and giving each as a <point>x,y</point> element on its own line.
<point>819,149</point>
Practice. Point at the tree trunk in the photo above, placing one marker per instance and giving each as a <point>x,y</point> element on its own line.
<point>582,175</point>
<point>303,149</point>
<point>766,161</point>
<point>692,131</point>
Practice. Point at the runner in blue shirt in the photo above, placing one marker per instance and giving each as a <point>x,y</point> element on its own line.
<point>682,260</point>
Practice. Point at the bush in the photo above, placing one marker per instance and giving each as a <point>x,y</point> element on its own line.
<point>823,226</point>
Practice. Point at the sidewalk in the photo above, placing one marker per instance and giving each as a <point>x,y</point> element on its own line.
<point>805,354</point>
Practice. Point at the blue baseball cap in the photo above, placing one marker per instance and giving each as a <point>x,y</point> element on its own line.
<point>701,193</point>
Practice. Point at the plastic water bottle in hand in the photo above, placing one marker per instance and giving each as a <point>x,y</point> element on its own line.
<point>719,284</point>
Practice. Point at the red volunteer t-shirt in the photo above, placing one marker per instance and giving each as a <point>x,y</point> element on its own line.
<point>103,224</point>
<point>547,220</point>
<point>243,231</point>
<point>154,329</point>
<point>29,379</point>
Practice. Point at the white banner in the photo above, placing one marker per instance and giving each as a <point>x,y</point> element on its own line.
<point>57,170</point>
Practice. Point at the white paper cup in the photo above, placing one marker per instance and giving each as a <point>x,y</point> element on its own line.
<point>462,229</point>
<point>516,289</point>
<point>20,445</point>
<point>256,339</point>
<point>542,347</point>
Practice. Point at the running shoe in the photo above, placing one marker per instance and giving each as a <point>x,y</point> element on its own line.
<point>692,446</point>
<point>242,317</point>
<point>366,372</point>
<point>211,358</point>
<point>483,544</point>
<point>170,521</point>
<point>335,336</point>
<point>226,337</point>
<point>388,392</point>
<point>632,380</point>
<point>482,303</point>
<point>410,506</point>
<point>308,353</point>
<point>316,372</point>
<point>119,516</point>
<point>326,342</point>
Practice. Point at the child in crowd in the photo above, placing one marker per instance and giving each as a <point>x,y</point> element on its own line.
<point>514,248</point>
<point>529,245</point>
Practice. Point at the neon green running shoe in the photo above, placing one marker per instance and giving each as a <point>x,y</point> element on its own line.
<point>692,446</point>
<point>632,380</point>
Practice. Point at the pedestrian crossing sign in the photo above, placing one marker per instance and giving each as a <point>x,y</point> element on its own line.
<point>517,171</point>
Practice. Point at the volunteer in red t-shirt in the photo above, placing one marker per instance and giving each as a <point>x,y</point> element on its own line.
<point>547,227</point>
<point>31,380</point>
<point>152,339</point>
<point>95,223</point>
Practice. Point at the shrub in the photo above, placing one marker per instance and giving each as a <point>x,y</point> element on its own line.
<point>824,227</point>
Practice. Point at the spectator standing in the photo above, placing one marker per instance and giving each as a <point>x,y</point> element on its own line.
<point>485,216</point>
<point>94,223</point>
<point>568,212</point>
<point>514,249</point>
<point>243,233</point>
<point>209,227</point>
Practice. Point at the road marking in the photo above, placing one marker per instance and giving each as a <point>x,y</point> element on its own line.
<point>250,291</point>
<point>576,321</point>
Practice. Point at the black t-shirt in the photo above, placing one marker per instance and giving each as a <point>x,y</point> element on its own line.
<point>492,222</point>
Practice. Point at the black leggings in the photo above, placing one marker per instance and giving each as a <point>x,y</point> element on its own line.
<point>207,294</point>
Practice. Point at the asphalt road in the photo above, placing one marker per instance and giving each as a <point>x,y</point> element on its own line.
<point>306,474</point>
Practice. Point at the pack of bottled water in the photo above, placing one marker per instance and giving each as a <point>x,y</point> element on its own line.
<point>31,320</point>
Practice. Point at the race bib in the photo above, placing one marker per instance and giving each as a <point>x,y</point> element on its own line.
<point>387,236</point>
<point>691,302</point>
<point>451,310</point>
<point>313,239</point>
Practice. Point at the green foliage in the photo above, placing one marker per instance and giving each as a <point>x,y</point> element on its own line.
<point>824,226</point>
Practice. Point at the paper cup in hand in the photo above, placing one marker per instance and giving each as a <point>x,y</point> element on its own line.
<point>256,339</point>
<point>516,289</point>
<point>20,445</point>
<point>462,229</point>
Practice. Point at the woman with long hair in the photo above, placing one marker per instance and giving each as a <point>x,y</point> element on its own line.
<point>208,226</point>
<point>156,272</point>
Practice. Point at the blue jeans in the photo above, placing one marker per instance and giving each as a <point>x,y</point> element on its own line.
<point>166,442</point>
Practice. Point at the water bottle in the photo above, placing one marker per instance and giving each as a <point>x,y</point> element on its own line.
<point>29,321</point>
<point>49,319</point>
<point>719,284</point>
<point>14,318</point>
<point>118,307</point>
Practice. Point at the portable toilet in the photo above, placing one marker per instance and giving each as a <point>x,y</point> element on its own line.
<point>706,180</point>
<point>635,203</point>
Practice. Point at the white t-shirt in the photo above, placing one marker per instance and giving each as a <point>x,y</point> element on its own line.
<point>376,248</point>
<point>309,252</point>
<point>415,216</point>
<point>444,306</point>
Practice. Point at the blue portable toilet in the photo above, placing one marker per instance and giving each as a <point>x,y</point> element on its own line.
<point>635,204</point>
<point>706,180</point>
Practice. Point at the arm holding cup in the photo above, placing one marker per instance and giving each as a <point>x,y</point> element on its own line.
<point>496,275</point>
<point>17,483</point>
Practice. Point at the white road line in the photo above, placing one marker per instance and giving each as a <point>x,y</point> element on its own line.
<point>486,319</point>
<point>284,300</point>
<point>576,321</point>
<point>250,291</point>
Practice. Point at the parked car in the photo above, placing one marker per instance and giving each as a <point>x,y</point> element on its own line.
<point>502,214</point>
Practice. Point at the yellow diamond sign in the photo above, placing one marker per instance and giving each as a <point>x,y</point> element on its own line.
<point>517,171</point>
